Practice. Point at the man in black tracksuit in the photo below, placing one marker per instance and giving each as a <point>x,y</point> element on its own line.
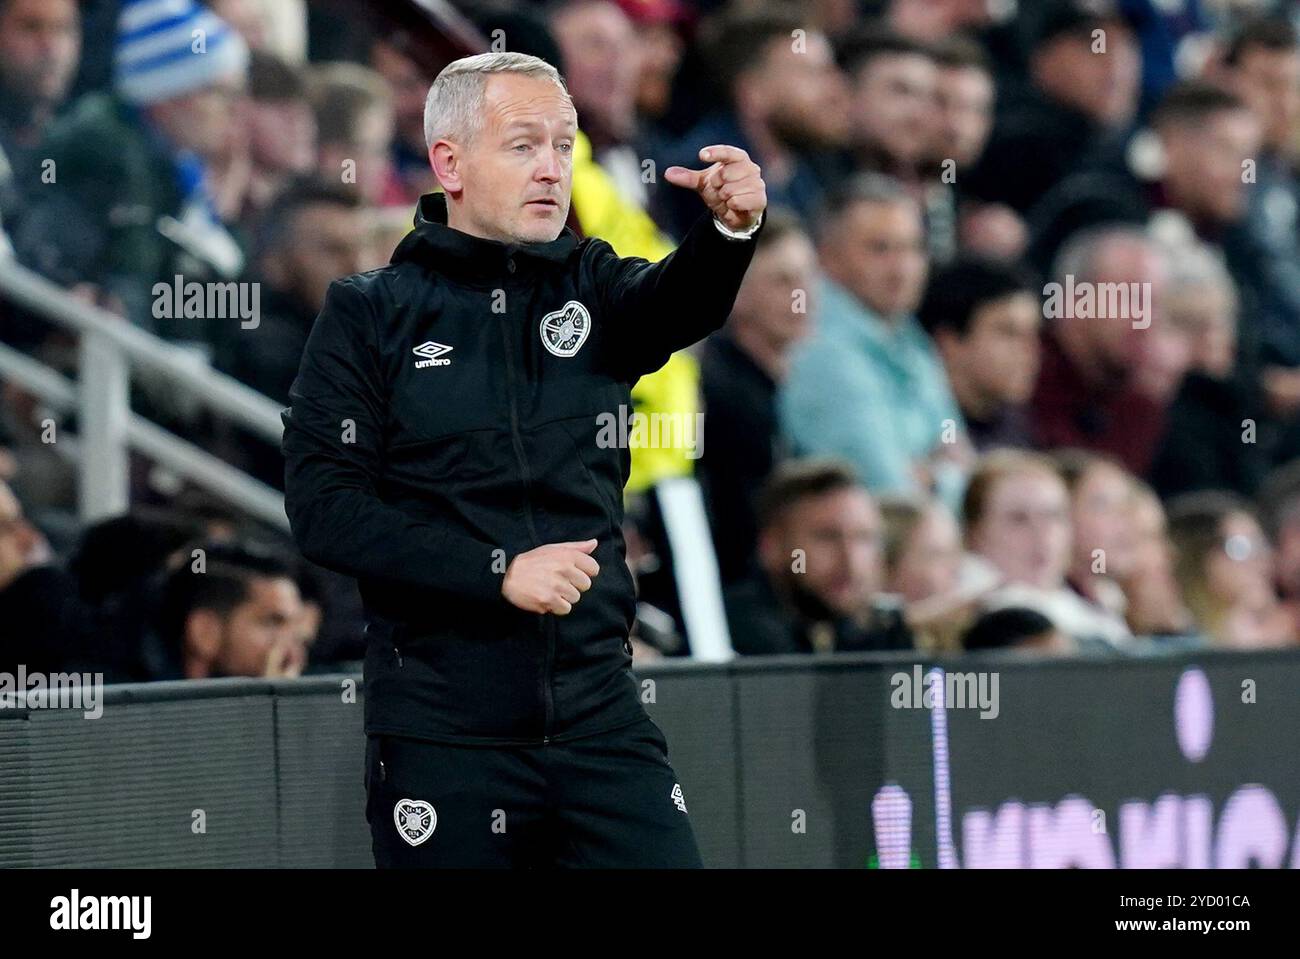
<point>442,446</point>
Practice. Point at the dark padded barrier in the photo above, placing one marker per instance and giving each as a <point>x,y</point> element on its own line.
<point>1189,759</point>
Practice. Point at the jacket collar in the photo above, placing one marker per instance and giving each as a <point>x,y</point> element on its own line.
<point>433,242</point>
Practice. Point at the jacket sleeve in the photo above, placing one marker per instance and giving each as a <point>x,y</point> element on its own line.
<point>652,310</point>
<point>332,447</point>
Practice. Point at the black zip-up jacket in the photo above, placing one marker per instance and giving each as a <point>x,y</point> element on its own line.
<point>447,416</point>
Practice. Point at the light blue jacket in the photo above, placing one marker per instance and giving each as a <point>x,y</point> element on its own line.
<point>873,393</point>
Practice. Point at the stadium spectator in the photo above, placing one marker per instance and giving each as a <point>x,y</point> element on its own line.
<point>966,91</point>
<point>659,38</point>
<point>1224,565</point>
<point>313,233</point>
<point>40,47</point>
<point>1279,512</point>
<point>354,123</point>
<point>1154,607</point>
<point>923,563</point>
<point>132,168</point>
<point>602,64</point>
<point>229,610</point>
<point>282,130</point>
<point>1102,316</point>
<point>740,370</point>
<point>1100,516</point>
<point>408,75</point>
<point>1077,98</point>
<point>868,385</point>
<point>1184,178</point>
<point>1261,65</point>
<point>984,318</point>
<point>1217,432</point>
<point>787,106</point>
<point>1017,520</point>
<point>893,108</point>
<point>820,552</point>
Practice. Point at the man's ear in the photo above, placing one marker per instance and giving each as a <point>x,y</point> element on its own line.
<point>444,158</point>
<point>202,640</point>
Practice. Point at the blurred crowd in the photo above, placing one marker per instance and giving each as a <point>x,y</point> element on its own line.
<point>1017,362</point>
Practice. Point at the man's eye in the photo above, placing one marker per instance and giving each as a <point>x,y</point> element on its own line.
<point>520,146</point>
<point>566,147</point>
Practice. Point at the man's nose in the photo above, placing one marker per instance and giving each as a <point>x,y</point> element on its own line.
<point>548,166</point>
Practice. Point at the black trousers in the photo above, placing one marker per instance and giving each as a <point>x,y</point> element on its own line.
<point>609,801</point>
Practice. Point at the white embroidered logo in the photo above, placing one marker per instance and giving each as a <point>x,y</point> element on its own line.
<point>431,352</point>
<point>415,820</point>
<point>678,799</point>
<point>566,329</point>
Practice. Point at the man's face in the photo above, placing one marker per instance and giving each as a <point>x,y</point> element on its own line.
<point>271,616</point>
<point>839,534</point>
<point>768,296</point>
<point>878,254</point>
<point>18,538</point>
<point>998,357</point>
<point>1112,341</point>
<point>804,94</point>
<point>1103,86</point>
<point>894,106</point>
<point>40,46</point>
<point>1025,530</point>
<point>602,61</point>
<point>204,121</point>
<point>282,135</point>
<point>1102,521</point>
<point>965,96</point>
<point>1269,82</point>
<point>328,241</point>
<point>513,179</point>
<point>370,154</point>
<point>1204,164</point>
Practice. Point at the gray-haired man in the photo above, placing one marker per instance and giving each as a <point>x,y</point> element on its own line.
<point>442,447</point>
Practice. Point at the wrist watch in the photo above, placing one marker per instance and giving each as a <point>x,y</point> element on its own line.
<point>739,235</point>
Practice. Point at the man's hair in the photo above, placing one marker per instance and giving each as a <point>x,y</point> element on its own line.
<point>1191,103</point>
<point>797,480</point>
<point>453,109</point>
<point>736,42</point>
<point>957,291</point>
<point>860,188</point>
<point>270,78</point>
<point>275,226</point>
<point>229,570</point>
<point>1276,34</point>
<point>864,45</point>
<point>960,52</point>
<point>1078,255</point>
<point>341,94</point>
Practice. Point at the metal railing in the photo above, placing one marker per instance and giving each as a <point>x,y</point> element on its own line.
<point>111,350</point>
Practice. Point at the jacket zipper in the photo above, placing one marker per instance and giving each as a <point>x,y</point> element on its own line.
<point>547,624</point>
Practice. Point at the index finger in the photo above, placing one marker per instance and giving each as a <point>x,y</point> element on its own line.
<point>722,153</point>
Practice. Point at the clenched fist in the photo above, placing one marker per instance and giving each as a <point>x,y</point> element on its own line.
<point>732,187</point>
<point>551,578</point>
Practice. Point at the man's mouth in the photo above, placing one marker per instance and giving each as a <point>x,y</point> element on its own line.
<point>545,201</point>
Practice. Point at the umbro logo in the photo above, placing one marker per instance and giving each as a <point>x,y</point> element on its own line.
<point>678,799</point>
<point>432,353</point>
